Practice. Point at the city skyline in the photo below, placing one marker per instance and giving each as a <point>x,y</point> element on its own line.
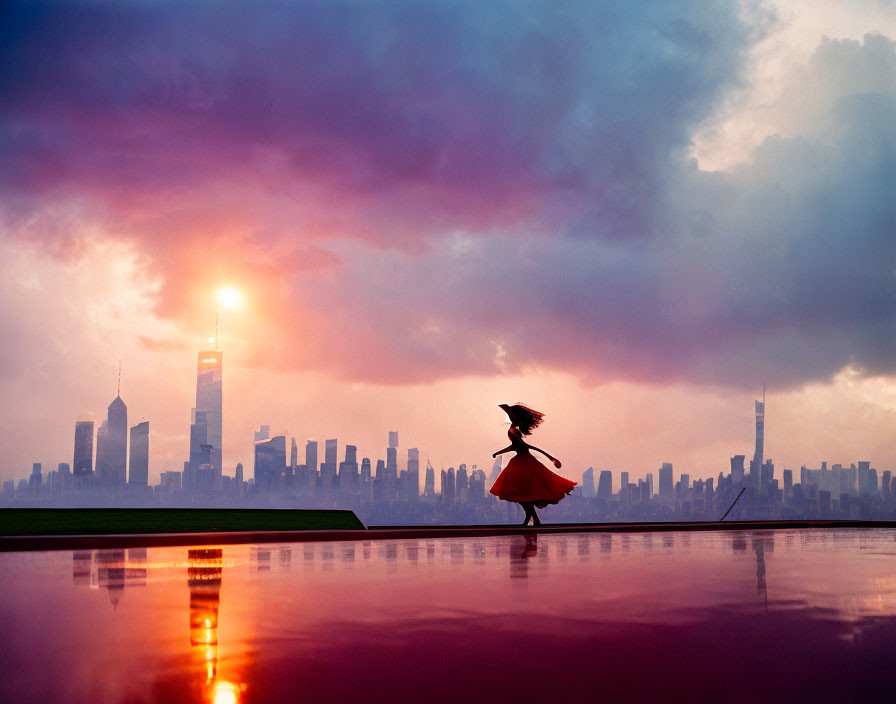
<point>209,398</point>
<point>629,227</point>
<point>396,492</point>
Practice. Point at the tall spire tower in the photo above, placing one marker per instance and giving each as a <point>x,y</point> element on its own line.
<point>758,453</point>
<point>209,402</point>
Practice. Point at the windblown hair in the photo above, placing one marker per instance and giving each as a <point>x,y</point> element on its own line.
<point>525,418</point>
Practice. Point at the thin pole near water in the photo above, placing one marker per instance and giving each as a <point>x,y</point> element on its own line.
<point>742,490</point>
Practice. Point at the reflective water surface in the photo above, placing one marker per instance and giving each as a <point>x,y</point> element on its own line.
<point>729,616</point>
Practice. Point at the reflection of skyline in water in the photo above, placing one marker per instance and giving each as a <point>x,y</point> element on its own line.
<point>112,570</point>
<point>373,599</point>
<point>204,581</point>
<point>115,570</point>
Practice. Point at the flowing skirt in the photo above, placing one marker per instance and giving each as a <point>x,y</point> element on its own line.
<point>526,479</point>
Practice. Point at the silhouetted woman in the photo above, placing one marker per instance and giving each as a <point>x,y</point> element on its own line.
<point>525,480</point>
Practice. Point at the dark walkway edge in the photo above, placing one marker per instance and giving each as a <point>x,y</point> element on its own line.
<point>100,542</point>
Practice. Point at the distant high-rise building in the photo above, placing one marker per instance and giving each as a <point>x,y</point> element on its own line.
<point>767,475</point>
<point>112,446</point>
<point>623,479</point>
<point>645,491</point>
<point>329,468</point>
<point>311,457</point>
<point>477,485</point>
<point>429,484</point>
<point>349,479</point>
<point>270,462</point>
<point>83,460</point>
<point>496,471</point>
<point>198,437</point>
<point>331,448</point>
<point>448,486</point>
<point>461,483</point>
<point>758,453</point>
<point>737,470</point>
<point>366,480</point>
<point>36,478</point>
<point>294,454</point>
<point>588,483</point>
<point>788,484</point>
<point>605,485</point>
<point>392,463</point>
<point>667,481</point>
<point>209,399</point>
<point>393,438</point>
<point>413,473</point>
<point>138,463</point>
<point>64,472</point>
<point>263,433</point>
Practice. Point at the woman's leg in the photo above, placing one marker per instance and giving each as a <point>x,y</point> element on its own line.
<point>535,521</point>
<point>527,507</point>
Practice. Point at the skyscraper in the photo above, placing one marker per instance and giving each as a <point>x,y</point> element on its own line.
<point>448,485</point>
<point>605,485</point>
<point>331,448</point>
<point>198,437</point>
<point>82,465</point>
<point>391,463</point>
<point>461,483</point>
<point>393,438</point>
<point>429,484</point>
<point>413,473</point>
<point>349,479</point>
<point>737,470</point>
<point>588,483</point>
<point>138,467</point>
<point>328,468</point>
<point>209,395</point>
<point>112,446</point>
<point>311,457</point>
<point>667,481</point>
<point>756,464</point>
<point>270,462</point>
<point>36,478</point>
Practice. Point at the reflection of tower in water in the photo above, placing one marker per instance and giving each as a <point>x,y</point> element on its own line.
<point>761,542</point>
<point>204,567</point>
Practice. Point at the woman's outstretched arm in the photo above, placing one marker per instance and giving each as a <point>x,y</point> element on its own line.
<point>501,452</point>
<point>538,449</point>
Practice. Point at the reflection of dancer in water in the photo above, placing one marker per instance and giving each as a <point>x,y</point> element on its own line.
<point>525,480</point>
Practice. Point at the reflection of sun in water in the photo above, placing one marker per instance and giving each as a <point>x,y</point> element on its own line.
<point>229,297</point>
<point>226,693</point>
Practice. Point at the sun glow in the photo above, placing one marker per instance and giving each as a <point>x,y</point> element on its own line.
<point>226,693</point>
<point>229,297</point>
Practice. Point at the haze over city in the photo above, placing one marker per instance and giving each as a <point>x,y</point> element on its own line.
<point>632,241</point>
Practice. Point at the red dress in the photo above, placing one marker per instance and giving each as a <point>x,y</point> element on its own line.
<point>526,479</point>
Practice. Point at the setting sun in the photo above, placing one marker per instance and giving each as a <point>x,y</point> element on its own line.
<point>229,297</point>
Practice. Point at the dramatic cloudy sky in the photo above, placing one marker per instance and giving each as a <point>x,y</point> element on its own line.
<point>628,215</point>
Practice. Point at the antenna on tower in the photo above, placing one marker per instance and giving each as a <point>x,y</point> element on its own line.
<point>118,393</point>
